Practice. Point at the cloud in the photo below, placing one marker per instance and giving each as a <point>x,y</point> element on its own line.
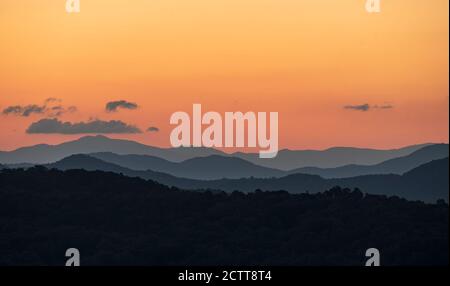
<point>55,126</point>
<point>384,106</point>
<point>24,111</point>
<point>48,108</point>
<point>12,110</point>
<point>58,110</point>
<point>367,107</point>
<point>113,106</point>
<point>52,99</point>
<point>362,107</point>
<point>153,129</point>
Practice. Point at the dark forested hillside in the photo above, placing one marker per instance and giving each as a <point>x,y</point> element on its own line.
<point>113,219</point>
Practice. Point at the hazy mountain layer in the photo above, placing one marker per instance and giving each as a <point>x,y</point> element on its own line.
<point>429,182</point>
<point>286,159</point>
<point>330,158</point>
<point>393,166</point>
<point>201,168</point>
<point>42,154</point>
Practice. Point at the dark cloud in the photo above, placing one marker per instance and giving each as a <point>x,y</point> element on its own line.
<point>153,129</point>
<point>367,107</point>
<point>52,99</point>
<point>12,110</point>
<point>385,107</point>
<point>33,109</point>
<point>54,126</point>
<point>48,108</point>
<point>113,106</point>
<point>362,107</point>
<point>24,111</point>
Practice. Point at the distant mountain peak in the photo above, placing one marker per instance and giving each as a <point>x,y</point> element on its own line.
<point>94,138</point>
<point>286,159</point>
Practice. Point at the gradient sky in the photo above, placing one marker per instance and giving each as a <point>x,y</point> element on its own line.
<point>306,59</point>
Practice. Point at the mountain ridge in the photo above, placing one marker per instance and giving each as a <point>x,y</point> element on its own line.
<point>398,165</point>
<point>408,186</point>
<point>286,160</point>
<point>218,167</point>
<point>334,157</point>
<point>43,153</point>
<point>201,168</point>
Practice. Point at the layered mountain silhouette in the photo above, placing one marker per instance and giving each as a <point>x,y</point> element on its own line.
<point>88,163</point>
<point>428,182</point>
<point>393,166</point>
<point>417,172</point>
<point>286,159</point>
<point>330,158</point>
<point>201,168</point>
<point>43,153</point>
<point>218,167</point>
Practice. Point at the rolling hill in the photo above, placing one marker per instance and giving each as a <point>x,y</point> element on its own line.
<point>201,168</point>
<point>286,159</point>
<point>117,220</point>
<point>218,167</point>
<point>393,166</point>
<point>414,185</point>
<point>89,163</point>
<point>43,153</point>
<point>331,158</point>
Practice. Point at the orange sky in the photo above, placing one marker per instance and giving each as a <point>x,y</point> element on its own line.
<point>305,59</point>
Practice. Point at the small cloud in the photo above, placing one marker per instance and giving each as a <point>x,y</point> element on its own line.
<point>362,107</point>
<point>72,109</point>
<point>113,106</point>
<point>385,107</point>
<point>12,110</point>
<point>52,99</point>
<point>153,129</point>
<point>48,108</point>
<point>33,109</point>
<point>24,111</point>
<point>368,107</point>
<point>54,126</point>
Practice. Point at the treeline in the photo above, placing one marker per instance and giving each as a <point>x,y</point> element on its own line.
<point>116,220</point>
